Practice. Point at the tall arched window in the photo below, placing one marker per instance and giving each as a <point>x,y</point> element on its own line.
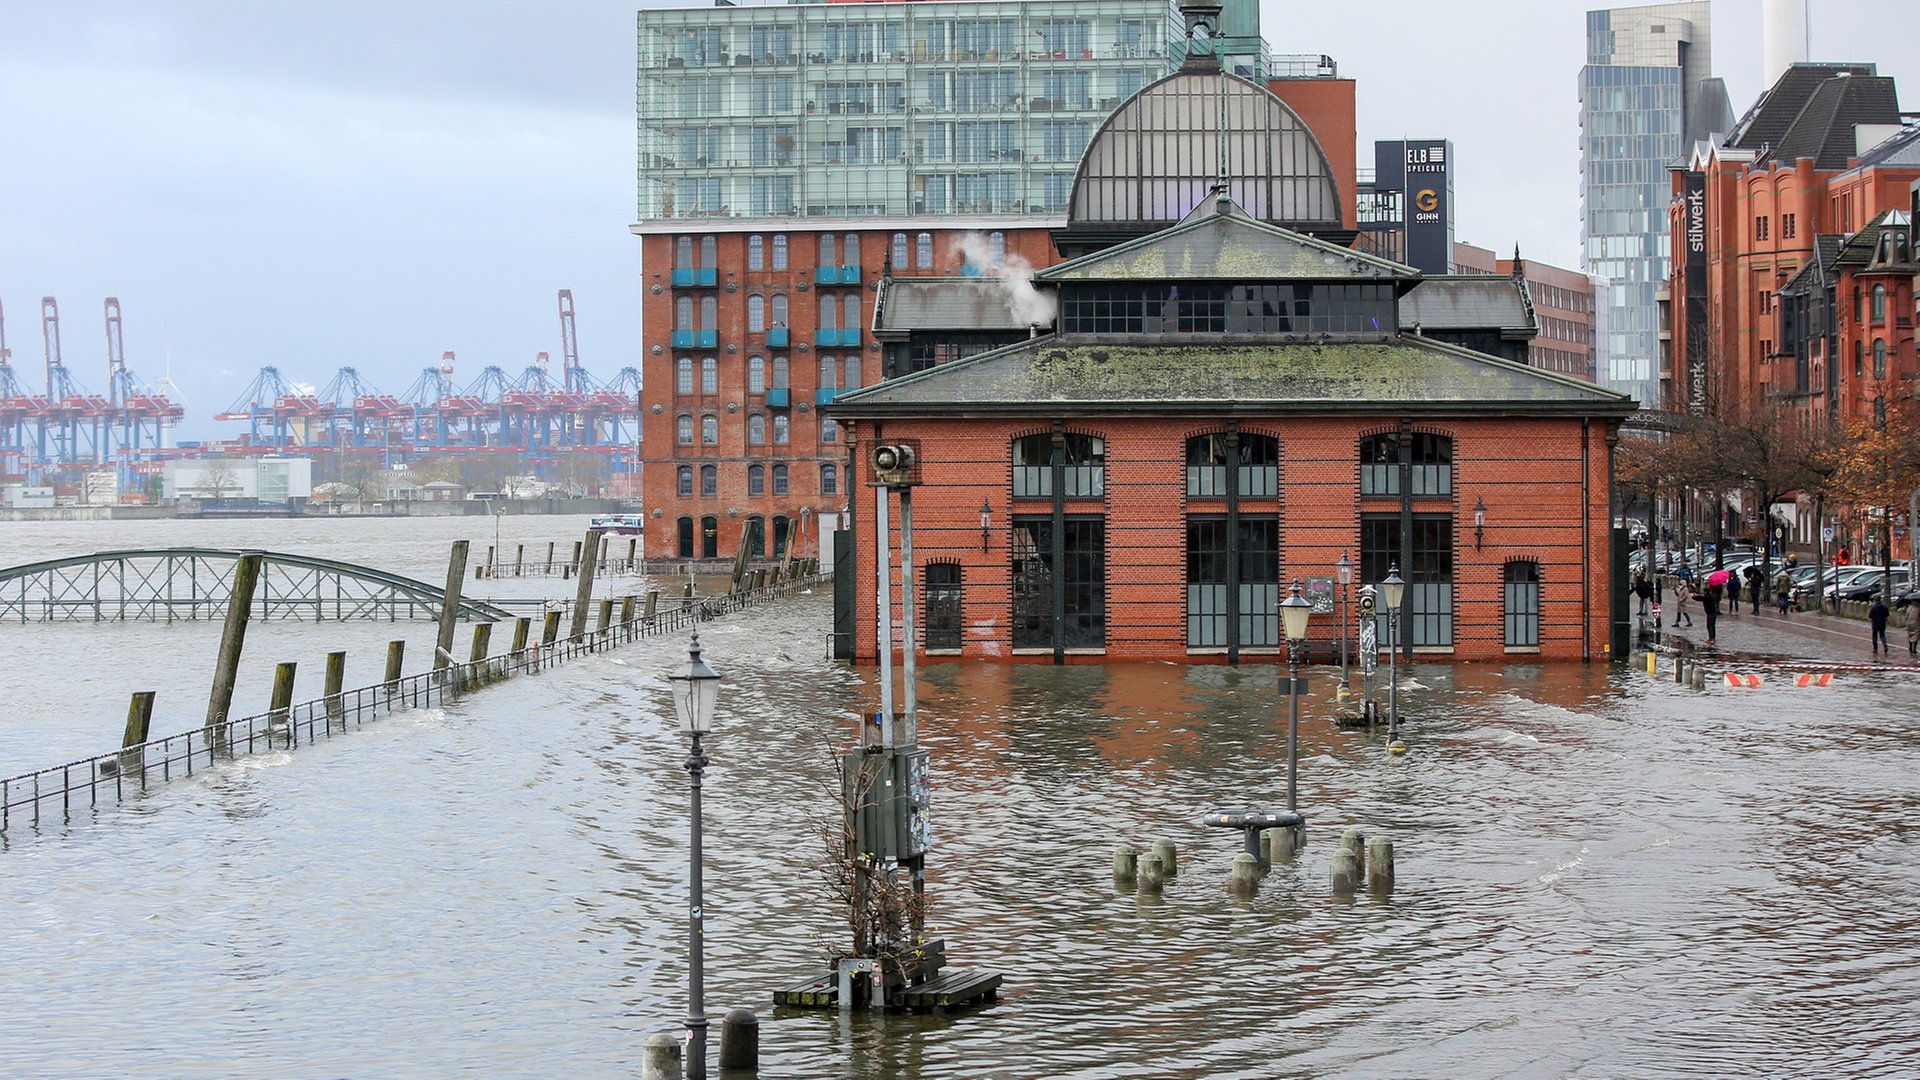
<point>756,430</point>
<point>899,253</point>
<point>945,600</point>
<point>709,480</point>
<point>683,429</point>
<point>709,251</point>
<point>1521,596</point>
<point>1859,359</point>
<point>829,373</point>
<point>853,371</point>
<point>1879,358</point>
<point>779,373</point>
<point>779,312</point>
<point>923,251</point>
<point>850,313</point>
<point>1879,303</point>
<point>780,429</point>
<point>829,247</point>
<point>756,253</point>
<point>709,429</point>
<point>709,375</point>
<point>683,313</point>
<point>829,480</point>
<point>997,247</point>
<point>683,253</point>
<point>683,478</point>
<point>780,251</point>
<point>756,314</point>
<point>709,312</point>
<point>683,375</point>
<point>850,250</point>
<point>829,312</point>
<point>709,537</point>
<point>779,479</point>
<point>1082,466</point>
<point>829,431</point>
<point>683,529</point>
<point>756,375</point>
<point>756,480</point>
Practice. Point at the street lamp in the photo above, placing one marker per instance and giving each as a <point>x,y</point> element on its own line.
<point>986,522</point>
<point>1479,522</point>
<point>1293,616</point>
<point>1392,591</point>
<point>696,689</point>
<point>1344,570</point>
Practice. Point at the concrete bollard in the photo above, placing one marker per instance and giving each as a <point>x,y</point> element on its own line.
<point>1346,872</point>
<point>1245,876</point>
<point>1152,876</point>
<point>1355,841</point>
<point>1679,671</point>
<point>1380,864</point>
<point>1280,845</point>
<point>740,1041</point>
<point>1126,864</point>
<point>1699,681</point>
<point>1169,861</point>
<point>660,1060</point>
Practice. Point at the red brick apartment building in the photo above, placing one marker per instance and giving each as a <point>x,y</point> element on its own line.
<point>1563,305</point>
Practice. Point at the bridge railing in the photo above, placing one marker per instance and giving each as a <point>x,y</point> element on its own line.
<point>59,792</point>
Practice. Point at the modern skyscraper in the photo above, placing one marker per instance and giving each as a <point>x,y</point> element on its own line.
<point>1647,94</point>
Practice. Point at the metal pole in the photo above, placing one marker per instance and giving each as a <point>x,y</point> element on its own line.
<point>696,988</point>
<point>1393,676</point>
<point>1293,724</point>
<point>1343,640</point>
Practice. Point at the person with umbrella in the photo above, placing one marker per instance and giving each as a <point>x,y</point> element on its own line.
<point>1710,600</point>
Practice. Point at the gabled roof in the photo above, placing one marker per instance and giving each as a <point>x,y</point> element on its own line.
<point>1768,119</point>
<point>1824,130</point>
<point>1902,150</point>
<point>946,303</point>
<point>1121,374</point>
<point>1218,241</point>
<point>1861,250</point>
<point>1818,270</point>
<point>1469,302</point>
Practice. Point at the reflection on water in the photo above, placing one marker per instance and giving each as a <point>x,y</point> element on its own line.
<point>1599,876</point>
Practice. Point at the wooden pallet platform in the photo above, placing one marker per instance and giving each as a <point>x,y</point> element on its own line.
<point>818,993</point>
<point>955,989</point>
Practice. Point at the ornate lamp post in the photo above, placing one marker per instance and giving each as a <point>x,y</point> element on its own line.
<point>1294,611</point>
<point>1344,570</point>
<point>696,689</point>
<point>1392,591</point>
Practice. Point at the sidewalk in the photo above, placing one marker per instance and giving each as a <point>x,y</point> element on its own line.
<point>1803,636</point>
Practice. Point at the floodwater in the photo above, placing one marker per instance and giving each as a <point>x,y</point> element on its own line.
<point>1599,875</point>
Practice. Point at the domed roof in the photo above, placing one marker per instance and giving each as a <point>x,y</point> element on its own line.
<point>1165,149</point>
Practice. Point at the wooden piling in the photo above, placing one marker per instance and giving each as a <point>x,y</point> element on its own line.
<point>396,659</point>
<point>549,558</point>
<point>600,560</point>
<point>653,606</point>
<point>246,574</point>
<point>336,680</point>
<point>450,606</point>
<point>550,631</point>
<point>606,617</point>
<point>1380,864</point>
<point>139,723</point>
<point>280,712</point>
<point>633,551</point>
<point>519,560</point>
<point>477,658</point>
<point>1126,864</point>
<point>522,627</point>
<point>1169,861</point>
<point>626,617</point>
<point>583,596</point>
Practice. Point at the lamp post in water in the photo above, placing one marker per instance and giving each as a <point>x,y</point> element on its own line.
<point>1344,570</point>
<point>1392,591</point>
<point>696,689</point>
<point>1293,615</point>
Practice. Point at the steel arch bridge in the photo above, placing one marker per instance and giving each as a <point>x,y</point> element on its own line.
<point>196,583</point>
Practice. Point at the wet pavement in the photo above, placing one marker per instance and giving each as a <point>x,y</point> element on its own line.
<point>1799,637</point>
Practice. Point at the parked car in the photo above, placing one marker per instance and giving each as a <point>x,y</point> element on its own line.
<point>1867,586</point>
<point>1834,578</point>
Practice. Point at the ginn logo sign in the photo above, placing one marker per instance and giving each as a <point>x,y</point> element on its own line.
<point>1427,201</point>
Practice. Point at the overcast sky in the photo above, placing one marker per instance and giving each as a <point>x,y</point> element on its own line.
<point>365,184</point>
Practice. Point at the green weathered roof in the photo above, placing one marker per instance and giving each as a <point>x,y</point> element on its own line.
<point>1218,241</point>
<point>1185,374</point>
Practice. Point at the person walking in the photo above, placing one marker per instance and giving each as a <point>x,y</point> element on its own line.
<point>1682,592</point>
<point>1877,616</point>
<point>1783,590</point>
<point>1643,589</point>
<point>1754,587</point>
<point>1710,607</point>
<point>1733,592</point>
<point>1913,627</point>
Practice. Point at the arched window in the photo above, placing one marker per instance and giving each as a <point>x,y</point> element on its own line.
<point>683,429</point>
<point>853,371</point>
<point>829,312</point>
<point>756,537</point>
<point>709,480</point>
<point>829,373</point>
<point>779,312</point>
<point>1254,463</point>
<point>779,480</point>
<point>1879,358</point>
<point>756,430</point>
<point>1082,466</point>
<point>683,313</point>
<point>756,480</point>
<point>709,375</point>
<point>1859,359</point>
<point>780,373</point>
<point>684,530</point>
<point>829,480</point>
<point>756,253</point>
<point>829,431</point>
<point>899,254</point>
<point>756,375</point>
<point>683,375</point>
<point>1521,595</point>
<point>780,251</point>
<point>1430,465</point>
<point>850,250</point>
<point>923,251</point>
<point>683,253</point>
<point>709,312</point>
<point>944,603</point>
<point>709,537</point>
<point>756,314</point>
<point>828,248</point>
<point>782,533</point>
<point>849,313</point>
<point>684,481</point>
<point>709,251</point>
<point>709,429</point>
<point>996,248</point>
<point>1879,303</point>
<point>780,429</point>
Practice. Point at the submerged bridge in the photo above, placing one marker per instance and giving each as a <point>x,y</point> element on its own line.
<point>195,583</point>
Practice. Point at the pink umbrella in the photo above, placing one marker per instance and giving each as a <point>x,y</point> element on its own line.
<point>1718,577</point>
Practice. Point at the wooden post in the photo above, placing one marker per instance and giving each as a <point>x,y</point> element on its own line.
<point>550,633</point>
<point>601,560</point>
<point>336,678</point>
<point>626,615</point>
<point>396,658</point>
<point>476,660</point>
<point>522,626</point>
<point>583,596</point>
<point>549,558</point>
<point>246,574</point>
<point>633,551</point>
<point>450,606</point>
<point>653,606</point>
<point>281,710</point>
<point>493,563</point>
<point>606,618</point>
<point>139,723</point>
<point>519,560</point>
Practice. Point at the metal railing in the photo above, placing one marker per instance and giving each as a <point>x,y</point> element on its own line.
<point>59,791</point>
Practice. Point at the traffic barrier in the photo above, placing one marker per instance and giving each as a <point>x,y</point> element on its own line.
<point>1824,678</point>
<point>1739,681</point>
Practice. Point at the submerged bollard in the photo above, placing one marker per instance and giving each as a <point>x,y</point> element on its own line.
<point>1152,876</point>
<point>1680,671</point>
<point>336,678</point>
<point>739,1040</point>
<point>660,1060</point>
<point>1245,876</point>
<point>1169,861</point>
<point>1282,844</point>
<point>1346,872</point>
<point>1380,864</point>
<point>1355,841</point>
<point>1699,680</point>
<point>1126,864</point>
<point>280,712</point>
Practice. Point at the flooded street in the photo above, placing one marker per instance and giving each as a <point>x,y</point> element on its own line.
<point>1599,874</point>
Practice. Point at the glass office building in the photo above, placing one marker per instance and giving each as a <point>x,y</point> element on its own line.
<point>1646,95</point>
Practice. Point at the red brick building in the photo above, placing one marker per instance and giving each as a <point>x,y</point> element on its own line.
<point>1563,304</point>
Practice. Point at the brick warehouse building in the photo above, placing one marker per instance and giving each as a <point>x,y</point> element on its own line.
<point>1221,408</point>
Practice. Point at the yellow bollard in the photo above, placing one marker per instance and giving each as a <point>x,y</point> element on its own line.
<point>1653,663</point>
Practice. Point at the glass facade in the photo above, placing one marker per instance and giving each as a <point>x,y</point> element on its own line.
<point>887,110</point>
